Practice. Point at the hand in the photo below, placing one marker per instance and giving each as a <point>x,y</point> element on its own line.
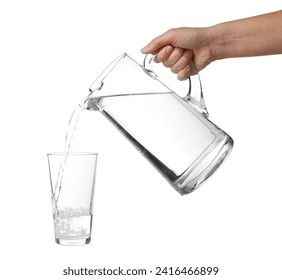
<point>184,50</point>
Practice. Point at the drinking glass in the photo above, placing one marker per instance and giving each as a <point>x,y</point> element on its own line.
<point>72,178</point>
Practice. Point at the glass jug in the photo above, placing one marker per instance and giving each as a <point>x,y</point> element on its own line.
<point>173,133</point>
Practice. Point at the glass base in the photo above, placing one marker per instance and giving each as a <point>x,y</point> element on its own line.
<point>205,166</point>
<point>73,242</point>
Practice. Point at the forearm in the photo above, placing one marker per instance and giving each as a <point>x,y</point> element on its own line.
<point>260,35</point>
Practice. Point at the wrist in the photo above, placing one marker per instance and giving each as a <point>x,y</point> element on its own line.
<point>221,42</point>
<point>214,41</point>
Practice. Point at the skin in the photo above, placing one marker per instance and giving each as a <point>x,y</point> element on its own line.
<point>186,51</point>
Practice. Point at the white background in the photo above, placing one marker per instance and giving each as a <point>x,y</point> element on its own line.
<point>50,53</point>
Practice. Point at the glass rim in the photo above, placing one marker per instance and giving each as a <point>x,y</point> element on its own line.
<point>72,154</point>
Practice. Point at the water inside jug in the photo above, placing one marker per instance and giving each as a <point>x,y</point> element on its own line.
<point>171,132</point>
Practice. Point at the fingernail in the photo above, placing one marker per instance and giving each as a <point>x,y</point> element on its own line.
<point>180,78</point>
<point>156,59</point>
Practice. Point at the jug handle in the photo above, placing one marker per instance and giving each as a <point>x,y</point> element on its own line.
<point>195,98</point>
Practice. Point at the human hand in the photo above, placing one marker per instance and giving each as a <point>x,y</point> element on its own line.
<point>185,51</point>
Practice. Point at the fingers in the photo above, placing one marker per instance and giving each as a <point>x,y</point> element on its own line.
<point>188,70</point>
<point>182,62</point>
<point>178,60</point>
<point>173,58</point>
<point>164,54</point>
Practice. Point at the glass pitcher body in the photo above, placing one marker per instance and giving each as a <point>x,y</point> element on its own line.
<point>173,134</point>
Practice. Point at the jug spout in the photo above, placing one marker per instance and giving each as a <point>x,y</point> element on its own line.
<point>92,104</point>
